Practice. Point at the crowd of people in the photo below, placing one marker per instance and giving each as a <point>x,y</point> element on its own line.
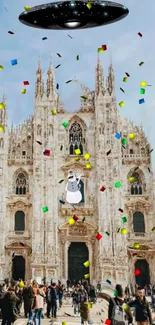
<point>49,298</point>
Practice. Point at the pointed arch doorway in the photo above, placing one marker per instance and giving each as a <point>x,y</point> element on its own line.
<point>18,268</point>
<point>144,277</point>
<point>78,254</point>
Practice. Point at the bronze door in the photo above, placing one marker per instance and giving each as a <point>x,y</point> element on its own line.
<point>77,255</point>
<point>144,277</point>
<point>18,268</point>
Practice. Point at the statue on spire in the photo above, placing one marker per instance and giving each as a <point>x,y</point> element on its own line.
<point>39,81</point>
<point>50,79</point>
<point>99,77</point>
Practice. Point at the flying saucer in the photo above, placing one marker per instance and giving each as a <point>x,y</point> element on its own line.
<point>73,14</point>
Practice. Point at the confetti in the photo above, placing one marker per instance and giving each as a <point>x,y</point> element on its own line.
<point>141,101</point>
<point>23,91</point>
<point>115,293</point>
<point>77,57</point>
<point>27,7</point>
<point>107,233</point>
<point>136,245</point>
<point>14,62</point>
<point>90,304</point>
<point>117,184</point>
<point>108,281</point>
<point>126,307</point>
<point>38,142</point>
<point>137,272</point>
<point>46,153</point>
<point>71,221</point>
<point>45,209</point>
<point>104,47</point>
<point>153,229</point>
<point>10,32</point>
<point>44,38</point>
<point>59,55</point>
<point>118,135</point>
<point>62,202</point>
<point>127,74</point>
<point>132,179</point>
<point>2,106</point>
<point>108,152</point>
<point>77,158</point>
<point>70,36</point>
<point>83,220</point>
<point>143,83</point>
<point>141,63</point>
<point>118,230</point>
<point>77,151</point>
<point>122,90</point>
<point>136,168</point>
<point>61,147</point>
<point>86,156</point>
<point>107,321</point>
<point>65,124</point>
<point>67,82</point>
<point>120,210</point>
<point>121,104</point>
<point>140,34</point>
<point>88,165</point>
<point>98,236</point>
<point>53,111</point>
<point>125,79</point>
<point>149,170</point>
<point>76,218</point>
<point>89,5</point>
<point>1,67</point>
<point>123,231</point>
<point>26,83</point>
<point>61,181</point>
<point>132,136</point>
<point>83,97</point>
<point>86,276</point>
<point>124,141</point>
<point>124,219</point>
<point>57,66</point>
<point>1,128</point>
<point>142,91</point>
<point>151,150</point>
<point>57,86</point>
<point>100,50</point>
<point>86,264</point>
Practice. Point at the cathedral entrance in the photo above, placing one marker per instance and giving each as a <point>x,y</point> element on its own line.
<point>77,254</point>
<point>18,268</point>
<point>144,277</point>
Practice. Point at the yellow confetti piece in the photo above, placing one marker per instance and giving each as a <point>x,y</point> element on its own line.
<point>88,165</point>
<point>86,156</point>
<point>125,79</point>
<point>121,104</point>
<point>2,106</point>
<point>86,264</point>
<point>89,5</point>
<point>1,67</point>
<point>64,323</point>
<point>21,284</point>
<point>143,83</point>
<point>27,7</point>
<point>1,128</point>
<point>54,112</point>
<point>132,179</point>
<point>90,305</point>
<point>71,221</point>
<point>86,276</point>
<point>100,50</point>
<point>132,136</point>
<point>23,91</point>
<point>123,231</point>
<point>126,307</point>
<point>136,245</point>
<point>77,151</point>
<point>77,158</point>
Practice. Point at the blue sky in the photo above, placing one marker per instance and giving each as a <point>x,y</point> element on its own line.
<point>121,38</point>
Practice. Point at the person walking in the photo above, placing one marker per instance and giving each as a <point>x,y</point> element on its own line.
<point>28,297</point>
<point>142,310</point>
<point>53,294</point>
<point>8,305</point>
<point>38,306</point>
<point>75,301</point>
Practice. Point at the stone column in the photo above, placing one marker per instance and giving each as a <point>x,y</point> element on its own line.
<point>90,260</point>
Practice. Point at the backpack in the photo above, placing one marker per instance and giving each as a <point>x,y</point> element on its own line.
<point>118,315</point>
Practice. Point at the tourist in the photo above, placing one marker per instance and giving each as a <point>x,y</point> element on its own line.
<point>153,300</point>
<point>116,312</point>
<point>38,306</point>
<point>85,311</point>
<point>18,292</point>
<point>75,301</point>
<point>142,310</point>
<point>53,294</point>
<point>28,298</point>
<point>48,300</point>
<point>8,305</point>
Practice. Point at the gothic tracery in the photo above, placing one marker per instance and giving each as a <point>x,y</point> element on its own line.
<point>75,138</point>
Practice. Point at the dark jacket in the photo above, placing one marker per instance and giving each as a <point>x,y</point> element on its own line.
<point>8,306</point>
<point>28,297</point>
<point>53,294</point>
<point>142,310</point>
<point>75,297</point>
<point>119,302</point>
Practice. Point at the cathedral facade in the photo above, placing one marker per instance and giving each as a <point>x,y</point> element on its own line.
<point>37,244</point>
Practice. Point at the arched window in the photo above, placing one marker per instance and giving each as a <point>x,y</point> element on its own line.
<point>75,138</point>
<point>136,187</point>
<point>142,151</point>
<point>138,222</point>
<point>131,151</point>
<point>81,185</point>
<point>19,221</point>
<point>20,184</point>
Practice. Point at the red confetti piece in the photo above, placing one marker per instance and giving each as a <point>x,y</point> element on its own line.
<point>108,322</point>
<point>137,272</point>
<point>26,83</point>
<point>127,74</point>
<point>104,47</point>
<point>102,189</point>
<point>120,210</point>
<point>75,218</point>
<point>140,34</point>
<point>134,254</point>
<point>10,32</point>
<point>99,236</point>
<point>108,153</point>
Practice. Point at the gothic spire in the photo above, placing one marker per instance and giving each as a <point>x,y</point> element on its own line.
<point>3,112</point>
<point>99,77</point>
<point>50,79</point>
<point>39,81</point>
<point>110,84</point>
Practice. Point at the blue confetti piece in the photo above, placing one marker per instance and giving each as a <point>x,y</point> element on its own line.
<point>142,101</point>
<point>118,135</point>
<point>14,62</point>
<point>62,202</point>
<point>44,38</point>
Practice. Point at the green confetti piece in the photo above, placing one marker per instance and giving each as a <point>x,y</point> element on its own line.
<point>153,229</point>
<point>136,168</point>
<point>83,97</point>
<point>58,54</point>
<point>65,124</point>
<point>141,63</point>
<point>45,209</point>
<point>142,91</point>
<point>115,293</point>
<point>77,57</point>
<point>124,141</point>
<point>125,79</point>
<point>118,230</point>
<point>62,180</point>
<point>67,82</point>
<point>83,220</point>
<point>117,184</point>
<point>107,233</point>
<point>124,219</point>
<point>57,66</point>
<point>122,90</point>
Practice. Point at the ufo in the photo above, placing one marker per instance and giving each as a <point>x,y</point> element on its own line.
<point>80,14</point>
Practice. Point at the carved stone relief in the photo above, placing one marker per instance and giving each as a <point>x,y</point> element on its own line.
<point>77,231</point>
